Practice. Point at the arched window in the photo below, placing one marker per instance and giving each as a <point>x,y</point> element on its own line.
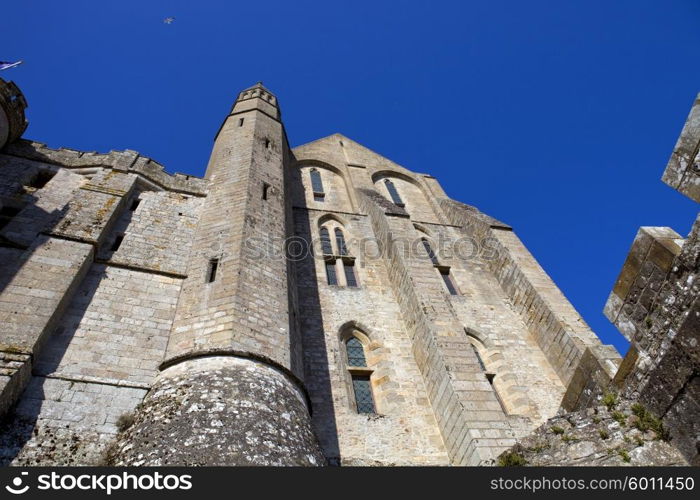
<point>349,269</point>
<point>341,257</point>
<point>331,276</point>
<point>317,185</point>
<point>356,352</point>
<point>340,242</point>
<point>394,193</point>
<point>326,242</point>
<point>429,251</point>
<point>360,376</point>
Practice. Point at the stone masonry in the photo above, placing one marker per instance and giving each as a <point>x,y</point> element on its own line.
<point>295,306</point>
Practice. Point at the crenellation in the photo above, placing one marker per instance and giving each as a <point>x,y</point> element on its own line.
<point>122,161</point>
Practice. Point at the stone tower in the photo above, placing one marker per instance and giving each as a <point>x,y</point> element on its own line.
<point>303,306</point>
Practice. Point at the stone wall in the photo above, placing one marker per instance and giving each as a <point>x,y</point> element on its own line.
<point>404,431</point>
<point>135,293</point>
<point>478,413</point>
<point>655,304</point>
<point>618,435</point>
<point>86,327</point>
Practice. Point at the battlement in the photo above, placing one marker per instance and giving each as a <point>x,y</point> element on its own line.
<point>124,161</point>
<point>683,169</point>
<point>257,91</point>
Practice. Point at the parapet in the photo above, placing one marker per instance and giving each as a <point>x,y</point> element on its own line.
<point>646,268</point>
<point>125,161</point>
<point>683,169</point>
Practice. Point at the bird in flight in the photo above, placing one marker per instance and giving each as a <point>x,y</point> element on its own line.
<point>168,20</point>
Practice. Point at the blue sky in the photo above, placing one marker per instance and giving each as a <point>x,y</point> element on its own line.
<point>555,117</point>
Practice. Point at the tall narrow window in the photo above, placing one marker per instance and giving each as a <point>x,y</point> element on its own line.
<point>117,242</point>
<point>330,272</point>
<point>212,270</point>
<point>362,387</point>
<point>268,144</point>
<point>240,122</point>
<point>429,251</point>
<point>445,273</point>
<point>356,352</point>
<point>360,375</point>
<point>394,193</point>
<point>350,278</point>
<point>340,242</point>
<point>478,358</point>
<point>326,247</point>
<point>265,191</point>
<point>490,377</point>
<point>317,185</point>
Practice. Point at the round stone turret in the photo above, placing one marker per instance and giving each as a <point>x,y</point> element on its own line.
<point>230,391</point>
<point>12,120</point>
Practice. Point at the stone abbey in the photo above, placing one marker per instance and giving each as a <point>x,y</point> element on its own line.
<point>317,305</point>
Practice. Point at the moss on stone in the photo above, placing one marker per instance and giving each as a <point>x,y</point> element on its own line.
<point>647,421</point>
<point>511,459</point>
<point>609,400</point>
<point>620,418</point>
<point>125,421</point>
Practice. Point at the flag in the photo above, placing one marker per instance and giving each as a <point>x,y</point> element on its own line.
<point>8,65</point>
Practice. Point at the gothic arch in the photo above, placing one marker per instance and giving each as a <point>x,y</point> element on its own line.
<point>355,328</point>
<point>388,174</point>
<point>505,383</point>
<point>339,194</point>
<point>411,194</point>
<point>325,218</point>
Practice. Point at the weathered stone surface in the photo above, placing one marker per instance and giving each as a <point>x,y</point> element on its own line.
<point>64,422</point>
<point>683,169</point>
<point>599,436</point>
<point>220,411</point>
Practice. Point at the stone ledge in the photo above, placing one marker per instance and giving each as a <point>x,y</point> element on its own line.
<point>683,169</point>
<point>124,161</point>
<point>649,260</point>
